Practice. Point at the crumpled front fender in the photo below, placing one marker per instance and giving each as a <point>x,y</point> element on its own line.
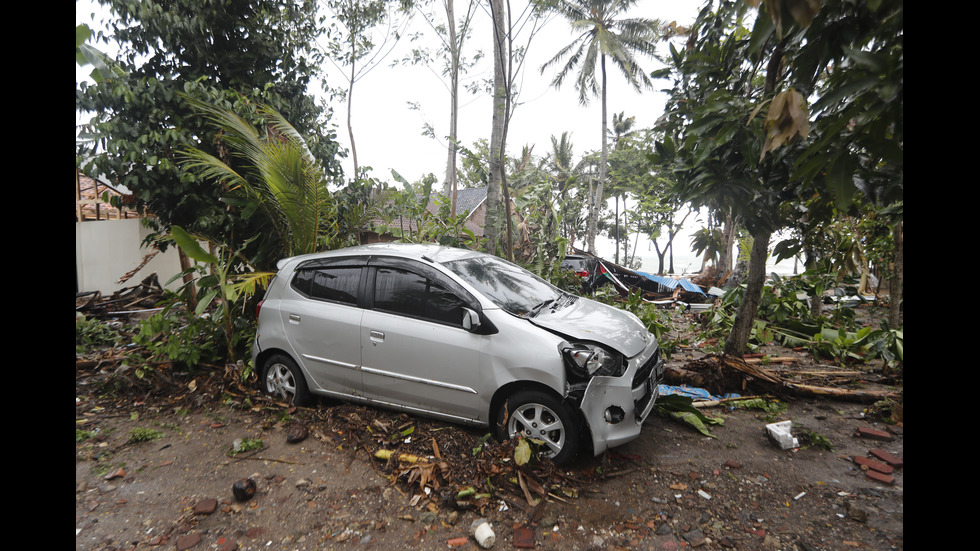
<point>610,407</point>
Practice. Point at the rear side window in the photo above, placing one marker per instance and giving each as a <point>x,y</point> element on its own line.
<point>409,294</point>
<point>335,284</point>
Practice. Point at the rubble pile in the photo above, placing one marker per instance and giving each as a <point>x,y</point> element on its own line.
<point>129,301</point>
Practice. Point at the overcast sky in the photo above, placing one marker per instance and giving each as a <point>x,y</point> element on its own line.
<point>389,133</point>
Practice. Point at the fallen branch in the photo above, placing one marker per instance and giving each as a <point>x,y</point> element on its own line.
<point>772,359</point>
<point>386,455</point>
<point>720,374</point>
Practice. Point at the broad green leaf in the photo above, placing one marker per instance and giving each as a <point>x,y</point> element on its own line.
<point>840,182</point>
<point>877,63</point>
<point>82,33</point>
<point>205,301</point>
<point>761,32</point>
<point>682,409</point>
<point>191,247</point>
<point>208,281</point>
<point>693,420</point>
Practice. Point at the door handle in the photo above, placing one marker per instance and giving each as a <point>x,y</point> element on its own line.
<point>377,336</point>
<point>294,318</point>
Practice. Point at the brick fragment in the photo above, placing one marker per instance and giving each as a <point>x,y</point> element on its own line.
<point>873,433</point>
<point>188,541</point>
<point>874,465</point>
<point>887,458</point>
<point>880,477</point>
<point>206,506</point>
<point>523,538</point>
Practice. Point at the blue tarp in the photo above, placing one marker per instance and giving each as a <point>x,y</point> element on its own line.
<point>672,283</point>
<point>693,392</point>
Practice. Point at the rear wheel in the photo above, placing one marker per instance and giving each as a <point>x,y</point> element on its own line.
<point>543,419</point>
<point>283,380</point>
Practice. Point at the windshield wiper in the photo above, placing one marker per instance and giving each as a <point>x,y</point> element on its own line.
<point>540,305</point>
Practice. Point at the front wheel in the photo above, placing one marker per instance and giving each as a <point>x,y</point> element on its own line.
<point>282,379</point>
<point>541,418</point>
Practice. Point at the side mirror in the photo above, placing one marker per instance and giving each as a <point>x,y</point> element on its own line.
<point>471,320</point>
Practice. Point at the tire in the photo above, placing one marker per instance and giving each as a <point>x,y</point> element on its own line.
<point>541,417</point>
<point>282,379</point>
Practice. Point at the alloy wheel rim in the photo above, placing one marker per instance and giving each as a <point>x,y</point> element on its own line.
<point>538,422</point>
<point>279,382</point>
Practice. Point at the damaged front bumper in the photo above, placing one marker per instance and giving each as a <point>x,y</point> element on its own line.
<point>616,407</point>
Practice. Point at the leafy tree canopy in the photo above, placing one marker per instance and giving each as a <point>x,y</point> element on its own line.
<point>801,97</point>
<point>235,55</point>
<point>778,101</point>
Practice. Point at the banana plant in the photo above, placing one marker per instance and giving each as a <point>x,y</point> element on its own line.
<point>844,346</point>
<point>888,344</point>
<point>221,284</point>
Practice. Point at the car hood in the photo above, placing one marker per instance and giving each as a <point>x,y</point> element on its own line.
<point>589,320</point>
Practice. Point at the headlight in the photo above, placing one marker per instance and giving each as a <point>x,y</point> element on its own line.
<point>587,360</point>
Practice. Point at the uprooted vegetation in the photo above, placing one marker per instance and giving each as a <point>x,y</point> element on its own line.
<point>170,355</point>
<point>143,339</point>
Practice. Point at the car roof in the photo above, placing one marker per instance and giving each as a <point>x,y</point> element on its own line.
<point>418,251</point>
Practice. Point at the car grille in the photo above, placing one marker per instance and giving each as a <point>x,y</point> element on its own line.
<point>648,376</point>
<point>643,373</point>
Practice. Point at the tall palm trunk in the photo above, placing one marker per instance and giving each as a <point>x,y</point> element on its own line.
<point>492,227</point>
<point>454,105</point>
<point>603,158</point>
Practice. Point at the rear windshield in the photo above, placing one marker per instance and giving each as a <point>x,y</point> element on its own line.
<point>509,286</point>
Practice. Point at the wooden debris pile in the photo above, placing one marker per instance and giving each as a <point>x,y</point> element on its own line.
<point>129,301</point>
<point>721,374</point>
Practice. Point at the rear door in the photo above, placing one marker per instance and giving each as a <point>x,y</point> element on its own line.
<point>323,324</point>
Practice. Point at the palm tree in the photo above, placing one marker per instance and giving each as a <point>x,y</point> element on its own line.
<point>274,169</point>
<point>560,162</point>
<point>604,34</point>
<point>622,129</point>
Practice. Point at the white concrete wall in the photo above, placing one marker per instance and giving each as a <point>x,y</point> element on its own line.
<point>106,250</point>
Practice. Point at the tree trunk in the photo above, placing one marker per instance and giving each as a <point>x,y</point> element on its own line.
<point>350,126</point>
<point>616,229</point>
<point>738,340</point>
<point>816,301</point>
<point>185,264</point>
<point>603,158</point>
<point>897,282</point>
<point>492,226</point>
<point>454,105</point>
<point>726,262</point>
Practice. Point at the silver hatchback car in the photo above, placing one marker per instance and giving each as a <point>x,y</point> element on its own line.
<point>457,335</point>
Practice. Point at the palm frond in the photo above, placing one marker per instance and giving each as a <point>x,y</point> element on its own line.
<point>278,173</point>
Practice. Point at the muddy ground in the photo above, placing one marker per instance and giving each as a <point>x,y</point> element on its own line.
<point>673,488</point>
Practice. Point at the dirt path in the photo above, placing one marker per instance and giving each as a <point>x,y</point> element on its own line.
<point>673,488</point>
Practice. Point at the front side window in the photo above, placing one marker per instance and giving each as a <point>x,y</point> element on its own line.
<point>409,294</point>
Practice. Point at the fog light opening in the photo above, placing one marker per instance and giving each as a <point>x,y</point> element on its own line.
<point>614,414</point>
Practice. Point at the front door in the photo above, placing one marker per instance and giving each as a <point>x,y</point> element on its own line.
<point>414,350</point>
